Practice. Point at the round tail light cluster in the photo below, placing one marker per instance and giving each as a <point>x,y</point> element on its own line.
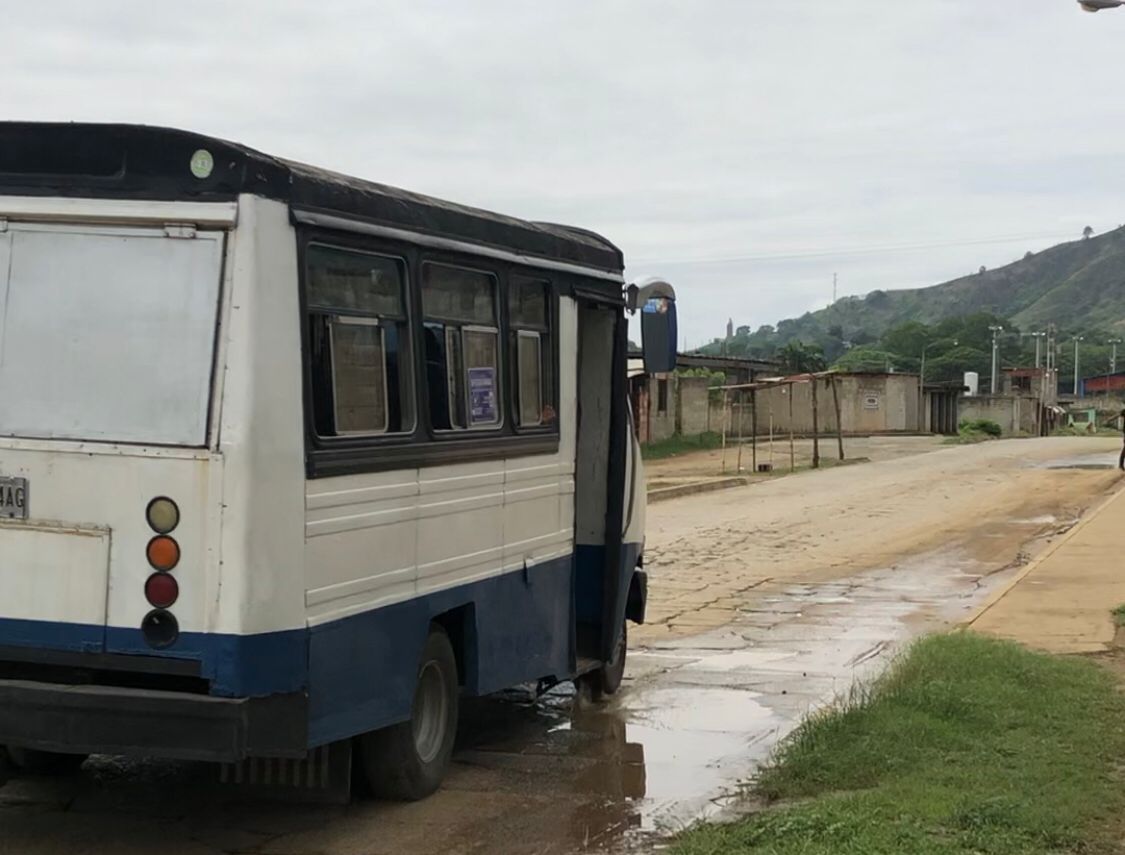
<point>159,626</point>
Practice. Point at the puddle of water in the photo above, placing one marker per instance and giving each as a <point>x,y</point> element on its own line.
<point>1101,460</point>
<point>716,709</point>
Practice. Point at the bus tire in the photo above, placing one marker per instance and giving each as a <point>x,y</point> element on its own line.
<point>605,681</point>
<point>408,761</point>
<point>44,762</point>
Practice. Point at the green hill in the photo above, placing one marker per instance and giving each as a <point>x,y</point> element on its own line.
<point>1079,286</point>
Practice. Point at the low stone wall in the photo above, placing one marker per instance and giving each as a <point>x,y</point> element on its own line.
<point>1015,414</point>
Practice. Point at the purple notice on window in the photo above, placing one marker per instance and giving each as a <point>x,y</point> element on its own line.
<point>482,396</point>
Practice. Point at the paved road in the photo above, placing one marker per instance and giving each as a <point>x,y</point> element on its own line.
<point>766,601</point>
<point>1061,601</point>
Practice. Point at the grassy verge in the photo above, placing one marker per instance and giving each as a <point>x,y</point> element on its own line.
<point>676,445</point>
<point>966,745</point>
<point>1101,433</point>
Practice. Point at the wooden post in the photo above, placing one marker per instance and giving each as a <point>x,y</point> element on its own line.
<point>741,407</point>
<point>754,429</point>
<point>723,456</point>
<point>770,409</point>
<point>815,429</point>
<point>792,453</point>
<point>839,423</point>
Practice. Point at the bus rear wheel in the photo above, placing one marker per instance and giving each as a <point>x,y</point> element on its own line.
<point>606,680</point>
<point>408,761</point>
<point>44,762</point>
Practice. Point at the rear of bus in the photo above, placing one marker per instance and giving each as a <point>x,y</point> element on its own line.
<point>122,629</point>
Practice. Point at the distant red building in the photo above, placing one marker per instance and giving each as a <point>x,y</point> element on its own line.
<point>1103,383</point>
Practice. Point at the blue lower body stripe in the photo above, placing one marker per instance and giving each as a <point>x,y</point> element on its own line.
<point>359,671</point>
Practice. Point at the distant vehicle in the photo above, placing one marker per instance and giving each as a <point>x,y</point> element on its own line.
<point>289,461</point>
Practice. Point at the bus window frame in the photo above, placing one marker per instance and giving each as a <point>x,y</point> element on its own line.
<point>360,321</point>
<point>424,447</point>
<point>352,315</point>
<point>553,333</point>
<point>499,294</point>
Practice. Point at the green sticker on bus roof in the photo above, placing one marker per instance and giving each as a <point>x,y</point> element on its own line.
<point>202,163</point>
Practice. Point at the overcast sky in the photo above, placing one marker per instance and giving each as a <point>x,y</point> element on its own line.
<point>747,150</point>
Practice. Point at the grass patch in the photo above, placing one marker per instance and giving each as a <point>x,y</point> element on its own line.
<point>676,445</point>
<point>1119,615</point>
<point>1085,431</point>
<point>975,430</point>
<point>966,745</point>
<point>979,430</point>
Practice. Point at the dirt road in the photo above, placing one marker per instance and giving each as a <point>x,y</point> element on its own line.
<point>717,463</point>
<point>766,600</point>
<point>706,554</point>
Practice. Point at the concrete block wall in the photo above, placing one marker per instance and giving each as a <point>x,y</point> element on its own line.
<point>661,421</point>
<point>868,404</point>
<point>692,409</point>
<point>1014,414</point>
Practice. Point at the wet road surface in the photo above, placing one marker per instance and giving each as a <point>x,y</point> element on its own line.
<point>702,705</point>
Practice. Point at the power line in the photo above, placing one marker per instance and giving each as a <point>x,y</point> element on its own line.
<point>845,251</point>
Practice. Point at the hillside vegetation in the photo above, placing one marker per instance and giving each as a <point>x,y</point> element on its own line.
<point>1079,286</point>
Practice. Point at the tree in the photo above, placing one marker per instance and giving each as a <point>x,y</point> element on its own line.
<point>799,358</point>
<point>982,270</point>
<point>1087,233</point>
<point>877,298</point>
<point>867,358</point>
<point>907,339</point>
<point>953,364</point>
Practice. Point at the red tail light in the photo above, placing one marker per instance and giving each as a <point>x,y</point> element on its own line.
<point>162,590</point>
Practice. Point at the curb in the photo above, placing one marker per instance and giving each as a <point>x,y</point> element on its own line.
<point>736,481</point>
<point>696,487</point>
<point>999,594</point>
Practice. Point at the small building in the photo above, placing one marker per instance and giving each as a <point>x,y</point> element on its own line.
<point>668,404</point>
<point>941,407</point>
<point>869,403</point>
<point>1038,383</point>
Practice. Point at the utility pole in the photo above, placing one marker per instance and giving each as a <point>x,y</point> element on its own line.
<point>833,287</point>
<point>1113,358</point>
<point>1077,339</point>
<point>995,389</point>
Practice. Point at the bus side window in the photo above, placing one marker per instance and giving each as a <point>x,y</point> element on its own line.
<point>359,343</point>
<point>530,316</point>
<point>462,350</point>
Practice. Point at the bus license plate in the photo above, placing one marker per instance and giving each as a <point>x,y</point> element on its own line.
<point>13,498</point>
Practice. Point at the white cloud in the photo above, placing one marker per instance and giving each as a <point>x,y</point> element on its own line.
<point>681,131</point>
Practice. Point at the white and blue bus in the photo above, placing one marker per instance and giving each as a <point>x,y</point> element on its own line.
<point>291,461</point>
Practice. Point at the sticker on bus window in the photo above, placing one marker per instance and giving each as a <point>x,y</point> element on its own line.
<point>482,396</point>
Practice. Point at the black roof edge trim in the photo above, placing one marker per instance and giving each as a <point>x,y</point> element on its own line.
<point>145,162</point>
<point>329,220</point>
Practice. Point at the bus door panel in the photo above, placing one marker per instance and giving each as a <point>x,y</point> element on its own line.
<point>599,480</point>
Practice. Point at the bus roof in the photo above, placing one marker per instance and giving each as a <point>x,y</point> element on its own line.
<point>142,162</point>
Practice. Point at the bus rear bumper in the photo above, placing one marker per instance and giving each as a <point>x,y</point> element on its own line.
<point>90,719</point>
